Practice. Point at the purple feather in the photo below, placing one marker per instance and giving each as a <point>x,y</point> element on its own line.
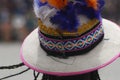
<point>66,19</point>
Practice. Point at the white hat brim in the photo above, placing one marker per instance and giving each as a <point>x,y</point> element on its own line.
<point>103,54</point>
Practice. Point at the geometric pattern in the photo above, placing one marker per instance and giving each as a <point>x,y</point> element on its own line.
<point>74,44</point>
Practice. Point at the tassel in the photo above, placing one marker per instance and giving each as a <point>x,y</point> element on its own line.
<point>92,3</point>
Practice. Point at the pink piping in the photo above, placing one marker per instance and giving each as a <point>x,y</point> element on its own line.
<point>67,73</point>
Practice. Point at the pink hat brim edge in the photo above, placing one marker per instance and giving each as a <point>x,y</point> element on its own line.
<point>67,73</point>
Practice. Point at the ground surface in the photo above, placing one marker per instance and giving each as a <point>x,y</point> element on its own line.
<point>9,54</point>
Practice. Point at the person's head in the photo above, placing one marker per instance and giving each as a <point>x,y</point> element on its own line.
<point>87,76</point>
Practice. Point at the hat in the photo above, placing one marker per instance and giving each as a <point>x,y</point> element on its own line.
<point>72,38</point>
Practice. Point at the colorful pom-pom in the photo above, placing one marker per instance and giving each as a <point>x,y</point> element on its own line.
<point>59,4</point>
<point>92,3</point>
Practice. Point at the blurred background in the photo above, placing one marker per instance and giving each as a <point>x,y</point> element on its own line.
<point>17,20</point>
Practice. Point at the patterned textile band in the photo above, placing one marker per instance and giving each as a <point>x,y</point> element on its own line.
<point>72,46</point>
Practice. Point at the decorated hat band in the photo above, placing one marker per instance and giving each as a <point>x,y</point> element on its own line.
<point>72,46</point>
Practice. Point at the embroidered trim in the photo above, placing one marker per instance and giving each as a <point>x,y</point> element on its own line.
<point>74,44</point>
<point>82,29</point>
<point>73,53</point>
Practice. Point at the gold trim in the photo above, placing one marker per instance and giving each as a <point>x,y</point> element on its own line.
<point>54,32</point>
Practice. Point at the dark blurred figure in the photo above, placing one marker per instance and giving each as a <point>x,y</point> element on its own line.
<point>5,27</point>
<point>111,10</point>
<point>17,19</point>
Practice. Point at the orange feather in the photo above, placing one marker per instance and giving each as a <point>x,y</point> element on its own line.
<point>43,1</point>
<point>59,4</point>
<point>92,3</point>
